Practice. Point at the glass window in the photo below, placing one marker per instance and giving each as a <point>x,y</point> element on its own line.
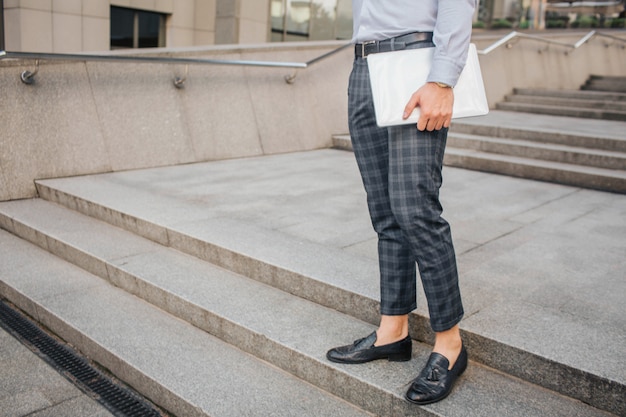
<point>298,17</point>
<point>343,28</point>
<point>136,28</point>
<point>150,30</point>
<point>122,24</point>
<point>323,19</point>
<point>298,20</point>
<point>277,13</point>
<point>290,20</point>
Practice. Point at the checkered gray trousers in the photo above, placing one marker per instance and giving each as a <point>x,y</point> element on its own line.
<point>401,171</point>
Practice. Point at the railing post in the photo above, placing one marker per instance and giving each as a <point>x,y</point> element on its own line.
<point>2,25</point>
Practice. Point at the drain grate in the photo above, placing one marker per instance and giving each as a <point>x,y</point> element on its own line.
<point>120,401</point>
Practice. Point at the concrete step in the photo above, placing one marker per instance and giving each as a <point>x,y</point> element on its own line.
<point>319,273</point>
<point>181,368</point>
<point>542,151</point>
<point>557,172</point>
<point>587,103</point>
<point>590,113</point>
<point>285,330</point>
<point>600,98</point>
<point>608,77</point>
<point>566,141</point>
<point>573,94</point>
<point>604,86</point>
<point>584,133</point>
<point>605,83</point>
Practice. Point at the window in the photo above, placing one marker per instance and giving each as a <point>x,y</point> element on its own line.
<point>290,20</point>
<point>301,20</point>
<point>136,28</point>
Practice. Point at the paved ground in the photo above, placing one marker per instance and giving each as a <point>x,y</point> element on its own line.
<point>543,266</point>
<point>30,387</point>
<point>589,127</point>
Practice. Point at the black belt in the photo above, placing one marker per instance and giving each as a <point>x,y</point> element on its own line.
<point>393,44</point>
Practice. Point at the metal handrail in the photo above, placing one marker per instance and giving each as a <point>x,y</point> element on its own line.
<point>506,41</point>
<point>27,76</point>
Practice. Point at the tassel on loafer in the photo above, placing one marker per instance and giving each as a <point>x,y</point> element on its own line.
<point>435,381</point>
<point>363,350</point>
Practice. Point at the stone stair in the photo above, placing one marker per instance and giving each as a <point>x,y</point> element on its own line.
<point>581,153</point>
<point>605,83</point>
<point>217,322</point>
<point>583,161</point>
<point>601,98</point>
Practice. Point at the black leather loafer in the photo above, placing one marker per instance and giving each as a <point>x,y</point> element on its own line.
<point>363,350</point>
<point>435,381</point>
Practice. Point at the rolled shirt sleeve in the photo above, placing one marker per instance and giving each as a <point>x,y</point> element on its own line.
<point>451,36</point>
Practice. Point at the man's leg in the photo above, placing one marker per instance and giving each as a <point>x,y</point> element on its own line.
<point>416,160</point>
<point>370,143</point>
<point>397,265</point>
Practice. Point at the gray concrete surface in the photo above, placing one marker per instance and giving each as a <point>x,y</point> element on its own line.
<point>182,368</point>
<point>525,244</point>
<point>243,312</point>
<point>555,126</point>
<point>30,387</point>
<point>542,265</point>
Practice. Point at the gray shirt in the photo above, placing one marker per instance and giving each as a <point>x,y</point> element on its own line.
<point>449,20</point>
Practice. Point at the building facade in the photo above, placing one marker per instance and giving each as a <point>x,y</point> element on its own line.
<point>65,26</point>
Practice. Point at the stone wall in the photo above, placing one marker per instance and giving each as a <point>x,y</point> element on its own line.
<point>528,63</point>
<point>91,117</point>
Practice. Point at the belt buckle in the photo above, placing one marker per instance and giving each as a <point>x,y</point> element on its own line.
<point>363,45</point>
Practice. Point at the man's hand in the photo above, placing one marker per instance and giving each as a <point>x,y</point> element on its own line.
<point>435,105</point>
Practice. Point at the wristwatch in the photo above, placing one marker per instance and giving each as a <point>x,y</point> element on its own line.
<point>443,85</point>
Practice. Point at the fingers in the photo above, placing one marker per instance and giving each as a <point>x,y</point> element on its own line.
<point>430,122</point>
<point>414,101</point>
<point>422,123</point>
<point>438,123</point>
<point>435,105</point>
<point>427,120</point>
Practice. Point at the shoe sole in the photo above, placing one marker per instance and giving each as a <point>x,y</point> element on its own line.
<point>391,358</point>
<point>442,397</point>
